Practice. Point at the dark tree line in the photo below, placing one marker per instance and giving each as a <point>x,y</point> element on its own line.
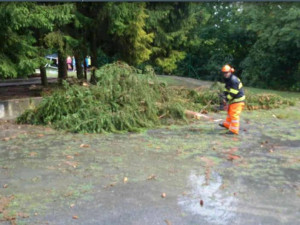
<point>261,40</point>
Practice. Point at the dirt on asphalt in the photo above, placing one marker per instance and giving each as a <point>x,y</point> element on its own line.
<point>185,175</point>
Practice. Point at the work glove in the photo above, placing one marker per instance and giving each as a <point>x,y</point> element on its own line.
<point>225,107</point>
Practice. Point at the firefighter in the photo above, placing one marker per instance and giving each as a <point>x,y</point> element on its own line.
<point>235,100</point>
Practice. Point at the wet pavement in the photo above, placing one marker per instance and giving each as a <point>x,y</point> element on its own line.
<point>11,109</point>
<point>54,177</point>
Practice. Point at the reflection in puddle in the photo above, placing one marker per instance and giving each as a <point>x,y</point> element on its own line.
<point>218,206</point>
<point>11,109</point>
<point>2,111</point>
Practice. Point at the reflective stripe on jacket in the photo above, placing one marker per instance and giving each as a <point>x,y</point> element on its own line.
<point>234,91</point>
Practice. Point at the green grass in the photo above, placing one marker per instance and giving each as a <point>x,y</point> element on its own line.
<point>170,80</point>
<point>284,94</point>
<point>250,90</point>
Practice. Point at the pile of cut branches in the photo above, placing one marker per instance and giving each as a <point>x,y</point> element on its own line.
<point>124,99</point>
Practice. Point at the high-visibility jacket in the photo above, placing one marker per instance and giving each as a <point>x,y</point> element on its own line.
<point>234,91</point>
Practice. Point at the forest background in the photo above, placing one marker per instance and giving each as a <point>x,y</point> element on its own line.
<point>260,40</point>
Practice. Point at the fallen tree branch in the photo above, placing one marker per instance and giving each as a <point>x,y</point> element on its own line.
<point>195,115</point>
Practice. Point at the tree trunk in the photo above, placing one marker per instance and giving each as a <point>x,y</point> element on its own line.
<point>62,67</point>
<point>43,74</point>
<point>79,71</point>
<point>93,76</point>
<point>94,58</point>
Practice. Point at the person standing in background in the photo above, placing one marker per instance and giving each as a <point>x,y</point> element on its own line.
<point>73,64</point>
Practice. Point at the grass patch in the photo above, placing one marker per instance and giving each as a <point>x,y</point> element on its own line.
<point>170,80</point>
<point>284,94</point>
<point>249,90</point>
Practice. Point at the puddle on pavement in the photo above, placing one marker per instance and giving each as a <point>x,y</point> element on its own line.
<point>210,201</point>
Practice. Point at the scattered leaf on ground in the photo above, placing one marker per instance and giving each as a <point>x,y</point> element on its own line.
<point>233,157</point>
<point>223,186</point>
<point>84,146</point>
<point>232,150</point>
<point>73,164</point>
<point>32,154</point>
<point>168,222</point>
<point>23,215</point>
<point>179,151</point>
<point>152,177</point>
<point>113,184</point>
<point>75,217</point>
<point>70,157</point>
<point>4,202</point>
<point>5,185</point>
<point>163,195</point>
<point>110,185</point>
<point>68,194</point>
<point>201,202</point>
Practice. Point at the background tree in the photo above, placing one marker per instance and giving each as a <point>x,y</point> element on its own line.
<point>18,56</point>
<point>59,39</point>
<point>218,39</point>
<point>273,60</point>
<point>126,27</point>
<point>171,23</point>
<point>187,39</point>
<point>46,18</point>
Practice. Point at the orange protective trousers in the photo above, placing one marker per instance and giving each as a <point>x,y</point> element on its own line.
<point>232,121</point>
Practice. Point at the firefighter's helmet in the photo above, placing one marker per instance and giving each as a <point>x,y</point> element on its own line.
<point>227,69</point>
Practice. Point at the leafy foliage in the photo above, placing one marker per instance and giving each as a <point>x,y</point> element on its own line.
<point>20,46</point>
<point>126,22</point>
<point>273,60</point>
<point>217,40</point>
<point>16,48</point>
<point>171,24</point>
<point>187,39</point>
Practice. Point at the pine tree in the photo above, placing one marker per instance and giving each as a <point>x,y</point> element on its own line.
<point>171,23</point>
